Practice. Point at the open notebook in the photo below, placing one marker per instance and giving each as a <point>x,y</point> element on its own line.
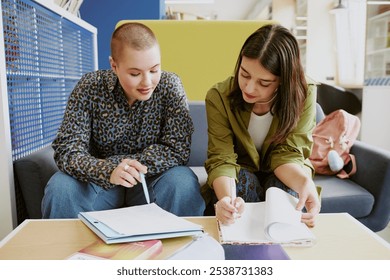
<point>274,221</point>
<point>137,223</point>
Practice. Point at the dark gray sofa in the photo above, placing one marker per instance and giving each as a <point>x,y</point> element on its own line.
<point>366,195</point>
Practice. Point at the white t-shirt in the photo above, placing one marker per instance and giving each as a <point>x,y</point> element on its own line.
<point>259,127</point>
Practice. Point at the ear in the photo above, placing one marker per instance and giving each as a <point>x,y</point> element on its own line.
<point>112,64</point>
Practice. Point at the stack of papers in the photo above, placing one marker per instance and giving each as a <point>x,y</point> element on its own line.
<point>137,223</point>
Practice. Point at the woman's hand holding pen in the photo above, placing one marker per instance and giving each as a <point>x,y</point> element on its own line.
<point>227,211</point>
<point>230,207</point>
<point>127,173</point>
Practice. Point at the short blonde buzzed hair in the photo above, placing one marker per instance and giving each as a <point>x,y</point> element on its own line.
<point>133,35</point>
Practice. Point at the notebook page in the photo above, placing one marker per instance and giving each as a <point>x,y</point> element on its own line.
<point>142,219</point>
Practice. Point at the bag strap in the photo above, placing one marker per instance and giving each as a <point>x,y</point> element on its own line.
<point>344,175</point>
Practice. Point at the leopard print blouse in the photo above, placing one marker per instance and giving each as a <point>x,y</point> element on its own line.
<point>100,129</point>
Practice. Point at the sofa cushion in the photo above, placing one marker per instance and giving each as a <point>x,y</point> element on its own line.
<point>344,195</point>
<point>199,137</point>
<point>32,173</point>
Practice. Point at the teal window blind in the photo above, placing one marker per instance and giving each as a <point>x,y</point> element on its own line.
<point>46,55</point>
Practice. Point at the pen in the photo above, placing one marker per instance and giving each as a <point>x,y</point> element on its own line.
<point>145,187</point>
<point>232,190</point>
<point>233,194</point>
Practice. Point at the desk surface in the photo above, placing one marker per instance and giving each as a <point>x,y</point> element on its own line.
<point>339,236</point>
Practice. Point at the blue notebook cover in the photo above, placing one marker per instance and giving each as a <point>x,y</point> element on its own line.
<point>137,223</point>
<point>111,237</point>
<point>255,252</point>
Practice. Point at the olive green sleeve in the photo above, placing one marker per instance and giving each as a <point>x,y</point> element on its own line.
<point>221,158</point>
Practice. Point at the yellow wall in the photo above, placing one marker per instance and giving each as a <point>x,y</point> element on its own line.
<point>201,52</point>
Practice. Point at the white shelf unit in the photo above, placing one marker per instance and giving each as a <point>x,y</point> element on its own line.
<point>46,49</point>
<point>378,46</point>
<point>376,92</point>
<point>301,28</point>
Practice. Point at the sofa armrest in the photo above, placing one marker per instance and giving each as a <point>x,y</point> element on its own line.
<point>32,174</point>
<point>373,174</point>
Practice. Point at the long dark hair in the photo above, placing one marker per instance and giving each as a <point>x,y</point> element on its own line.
<point>277,50</point>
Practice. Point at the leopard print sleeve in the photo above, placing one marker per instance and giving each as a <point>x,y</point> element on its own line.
<point>72,149</point>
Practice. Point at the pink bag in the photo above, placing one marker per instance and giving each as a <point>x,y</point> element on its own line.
<point>333,138</point>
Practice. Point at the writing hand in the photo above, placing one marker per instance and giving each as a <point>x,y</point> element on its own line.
<point>226,210</point>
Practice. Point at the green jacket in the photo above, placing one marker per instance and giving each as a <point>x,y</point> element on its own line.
<point>230,146</point>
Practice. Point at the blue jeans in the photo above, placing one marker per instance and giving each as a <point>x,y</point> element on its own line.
<point>176,190</point>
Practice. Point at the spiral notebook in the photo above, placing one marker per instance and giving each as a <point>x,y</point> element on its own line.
<point>275,221</point>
